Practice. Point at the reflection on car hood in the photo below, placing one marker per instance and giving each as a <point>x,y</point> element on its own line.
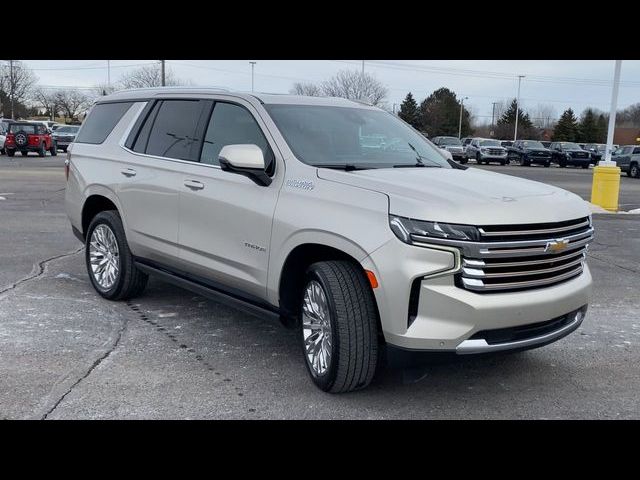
<point>470,196</point>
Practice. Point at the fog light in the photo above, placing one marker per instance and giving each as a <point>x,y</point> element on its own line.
<point>579,315</point>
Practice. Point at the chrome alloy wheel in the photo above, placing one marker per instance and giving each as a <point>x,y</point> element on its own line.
<point>316,328</point>
<point>104,256</point>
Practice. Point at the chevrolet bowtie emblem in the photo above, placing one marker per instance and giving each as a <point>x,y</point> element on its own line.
<point>557,245</point>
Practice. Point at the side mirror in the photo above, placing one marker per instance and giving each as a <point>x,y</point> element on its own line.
<point>245,159</point>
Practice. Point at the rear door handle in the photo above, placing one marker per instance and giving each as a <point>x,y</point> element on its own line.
<point>128,172</point>
<point>193,184</point>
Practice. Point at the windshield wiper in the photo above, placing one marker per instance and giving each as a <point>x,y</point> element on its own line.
<point>420,158</point>
<point>347,167</point>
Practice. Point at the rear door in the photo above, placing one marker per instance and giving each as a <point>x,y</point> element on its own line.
<point>164,142</point>
<point>225,218</point>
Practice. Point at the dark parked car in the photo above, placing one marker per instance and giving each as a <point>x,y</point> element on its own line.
<point>527,152</point>
<point>453,145</point>
<point>64,136</point>
<point>627,158</point>
<point>569,153</point>
<point>28,137</point>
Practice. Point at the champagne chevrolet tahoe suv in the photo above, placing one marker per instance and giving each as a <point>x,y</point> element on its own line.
<point>334,216</point>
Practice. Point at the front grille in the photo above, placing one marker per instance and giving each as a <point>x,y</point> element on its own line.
<point>518,257</point>
<point>495,151</point>
<point>579,154</point>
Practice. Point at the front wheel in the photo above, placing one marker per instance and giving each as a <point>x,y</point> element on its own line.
<point>547,164</point>
<point>42,151</point>
<point>109,261</point>
<point>339,327</point>
<point>634,171</point>
<point>53,150</point>
<point>11,153</point>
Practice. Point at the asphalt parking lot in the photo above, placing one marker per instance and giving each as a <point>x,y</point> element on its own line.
<point>67,353</point>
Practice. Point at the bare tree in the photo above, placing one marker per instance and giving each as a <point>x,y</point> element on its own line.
<point>305,88</point>
<point>149,76</point>
<point>18,81</point>
<point>355,85</point>
<point>45,99</point>
<point>544,115</point>
<point>101,89</point>
<point>71,102</point>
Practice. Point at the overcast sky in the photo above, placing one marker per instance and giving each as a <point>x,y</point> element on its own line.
<point>558,83</point>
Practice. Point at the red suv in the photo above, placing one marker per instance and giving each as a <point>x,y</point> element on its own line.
<point>29,137</point>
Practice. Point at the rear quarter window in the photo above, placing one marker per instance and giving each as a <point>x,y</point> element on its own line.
<point>101,121</point>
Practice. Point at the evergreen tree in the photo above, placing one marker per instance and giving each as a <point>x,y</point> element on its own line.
<point>566,129</point>
<point>409,111</point>
<point>588,127</point>
<point>602,128</point>
<point>440,114</point>
<point>507,123</point>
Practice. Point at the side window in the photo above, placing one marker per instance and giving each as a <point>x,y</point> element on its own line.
<point>232,124</point>
<point>636,151</point>
<point>101,121</point>
<point>140,144</point>
<point>173,133</point>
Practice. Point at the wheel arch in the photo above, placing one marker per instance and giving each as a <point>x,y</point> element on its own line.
<point>97,200</point>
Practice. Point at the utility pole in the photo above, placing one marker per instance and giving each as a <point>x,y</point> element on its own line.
<point>162,72</point>
<point>11,81</point>
<point>515,133</point>
<point>253,64</point>
<point>363,68</point>
<point>460,123</point>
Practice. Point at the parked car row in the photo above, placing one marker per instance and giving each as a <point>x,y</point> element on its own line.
<point>534,152</point>
<point>35,136</point>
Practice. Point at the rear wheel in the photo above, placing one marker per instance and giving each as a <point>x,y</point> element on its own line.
<point>547,163</point>
<point>478,159</point>
<point>53,150</point>
<point>11,153</point>
<point>109,261</point>
<point>339,327</point>
<point>42,151</point>
<point>634,171</point>
<point>24,153</point>
<point>562,163</point>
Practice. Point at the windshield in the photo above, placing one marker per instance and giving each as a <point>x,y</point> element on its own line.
<point>532,144</point>
<point>16,127</point>
<point>450,141</point>
<point>67,129</point>
<point>344,136</point>
<point>490,143</point>
<point>570,146</point>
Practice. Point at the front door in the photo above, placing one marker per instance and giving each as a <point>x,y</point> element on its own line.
<point>225,219</point>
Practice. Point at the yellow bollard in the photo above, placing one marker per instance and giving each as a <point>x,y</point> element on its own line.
<point>606,187</point>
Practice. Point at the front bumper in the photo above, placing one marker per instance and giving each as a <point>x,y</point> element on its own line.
<point>488,157</point>
<point>447,316</point>
<point>538,159</point>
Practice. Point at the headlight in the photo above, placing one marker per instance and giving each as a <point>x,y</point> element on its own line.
<point>405,227</point>
<point>483,150</point>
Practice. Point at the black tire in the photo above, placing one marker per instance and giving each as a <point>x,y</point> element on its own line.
<point>42,151</point>
<point>503,162</point>
<point>354,326</point>
<point>547,164</point>
<point>11,153</point>
<point>634,171</point>
<point>64,149</point>
<point>464,160</point>
<point>24,152</point>
<point>53,150</point>
<point>130,281</point>
<point>562,163</point>
<point>585,166</point>
<point>478,161</point>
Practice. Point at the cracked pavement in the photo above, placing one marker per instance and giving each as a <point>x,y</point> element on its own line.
<point>66,353</point>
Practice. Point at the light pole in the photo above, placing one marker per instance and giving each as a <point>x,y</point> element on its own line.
<point>460,122</point>
<point>515,132</point>
<point>612,116</point>
<point>253,64</point>
<point>363,68</point>
<point>493,114</point>
<point>109,74</point>
<point>162,72</point>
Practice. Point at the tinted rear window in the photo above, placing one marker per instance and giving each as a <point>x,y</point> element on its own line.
<point>101,121</point>
<point>173,133</point>
<point>18,127</point>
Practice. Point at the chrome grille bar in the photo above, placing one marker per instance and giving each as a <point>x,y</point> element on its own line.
<point>509,233</point>
<point>474,273</point>
<point>476,284</point>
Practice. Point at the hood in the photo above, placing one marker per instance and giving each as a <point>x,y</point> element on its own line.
<point>537,150</point>
<point>471,196</point>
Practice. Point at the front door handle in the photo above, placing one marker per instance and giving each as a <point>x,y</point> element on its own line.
<point>193,184</point>
<point>128,172</point>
